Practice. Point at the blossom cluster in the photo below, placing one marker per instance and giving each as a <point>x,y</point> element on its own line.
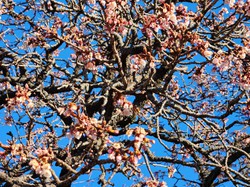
<point>151,183</point>
<point>41,165</point>
<point>162,21</point>
<point>85,125</point>
<point>22,97</point>
<point>140,138</point>
<point>118,152</point>
<point>246,109</point>
<point>240,6</point>
<point>115,152</point>
<point>155,183</point>
<point>114,22</point>
<point>16,150</point>
<point>137,63</point>
<point>124,107</point>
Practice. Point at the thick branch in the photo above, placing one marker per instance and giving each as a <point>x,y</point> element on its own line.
<point>208,181</point>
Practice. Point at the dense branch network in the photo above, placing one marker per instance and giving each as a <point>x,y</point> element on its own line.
<point>146,89</point>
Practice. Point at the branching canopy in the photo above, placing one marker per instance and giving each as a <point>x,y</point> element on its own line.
<point>149,90</point>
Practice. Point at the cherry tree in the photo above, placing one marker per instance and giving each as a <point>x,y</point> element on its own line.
<point>146,91</point>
